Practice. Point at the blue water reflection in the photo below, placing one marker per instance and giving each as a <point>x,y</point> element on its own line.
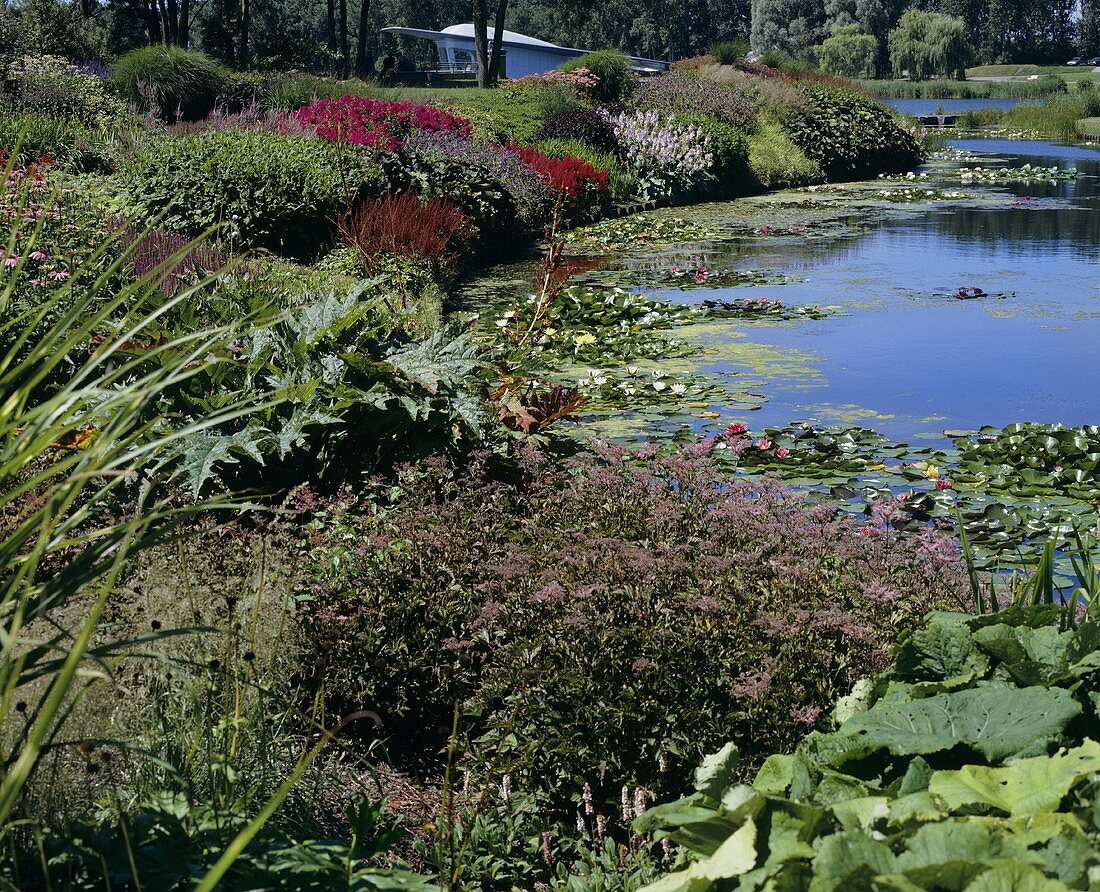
<point>916,362</point>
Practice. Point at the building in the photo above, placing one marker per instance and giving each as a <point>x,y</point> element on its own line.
<point>523,55</point>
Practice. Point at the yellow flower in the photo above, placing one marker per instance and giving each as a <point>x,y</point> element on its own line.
<point>582,340</point>
<point>931,472</point>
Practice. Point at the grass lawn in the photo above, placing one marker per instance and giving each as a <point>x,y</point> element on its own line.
<point>1069,73</point>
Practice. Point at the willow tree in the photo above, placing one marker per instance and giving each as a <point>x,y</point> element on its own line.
<point>927,43</point>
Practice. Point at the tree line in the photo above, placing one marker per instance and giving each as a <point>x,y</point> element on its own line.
<point>344,37</point>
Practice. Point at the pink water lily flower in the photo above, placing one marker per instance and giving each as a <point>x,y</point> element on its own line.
<point>944,483</point>
<point>736,428</point>
<point>763,443</point>
<point>782,452</point>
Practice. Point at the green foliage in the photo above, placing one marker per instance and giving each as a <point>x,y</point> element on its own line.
<point>169,82</point>
<point>776,162</point>
<point>730,148</point>
<point>49,27</point>
<point>966,766</point>
<point>325,377</point>
<point>612,70</point>
<point>730,52</point>
<point>167,844</point>
<point>50,86</point>
<point>1044,85</point>
<point>589,618</point>
<point>848,52</point>
<point>928,43</point>
<point>268,190</point>
<point>1088,128</point>
<point>35,136</point>
<point>849,134</point>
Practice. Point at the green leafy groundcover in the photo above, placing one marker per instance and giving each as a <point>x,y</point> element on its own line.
<point>972,765</point>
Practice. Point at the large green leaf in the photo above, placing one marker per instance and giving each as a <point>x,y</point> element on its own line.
<point>1015,876</point>
<point>949,854</point>
<point>736,856</point>
<point>1028,786</point>
<point>996,721</point>
<point>851,858</point>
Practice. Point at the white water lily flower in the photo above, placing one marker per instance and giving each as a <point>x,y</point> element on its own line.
<point>678,388</point>
<point>657,373</point>
<point>632,370</point>
<point>659,386</point>
<point>599,382</point>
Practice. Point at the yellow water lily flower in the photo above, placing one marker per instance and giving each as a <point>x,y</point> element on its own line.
<point>931,472</point>
<point>582,340</point>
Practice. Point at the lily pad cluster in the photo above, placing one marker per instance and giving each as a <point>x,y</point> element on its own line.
<point>639,230</point>
<point>1035,460</point>
<point>972,765</point>
<point>1026,174</point>
<point>685,278</point>
<point>635,388</point>
<point>766,308</point>
<point>599,326</point>
<point>911,195</point>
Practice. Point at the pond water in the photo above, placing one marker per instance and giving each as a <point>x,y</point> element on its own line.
<point>949,106</point>
<point>904,356</point>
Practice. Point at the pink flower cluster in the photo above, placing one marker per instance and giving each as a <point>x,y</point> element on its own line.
<point>581,78</point>
<point>376,122</point>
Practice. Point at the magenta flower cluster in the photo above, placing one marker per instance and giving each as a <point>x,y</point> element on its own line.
<point>376,122</point>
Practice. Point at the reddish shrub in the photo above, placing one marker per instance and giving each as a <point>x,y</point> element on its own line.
<point>154,247</point>
<point>579,183</point>
<point>406,226</point>
<point>376,122</point>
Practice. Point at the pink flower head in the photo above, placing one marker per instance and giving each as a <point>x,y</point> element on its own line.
<point>58,275</point>
<point>736,428</point>
<point>763,443</point>
<point>38,255</point>
<point>782,452</point>
<point>763,301</point>
<point>944,483</point>
<point>777,302</point>
<point>700,277</point>
<point>13,261</point>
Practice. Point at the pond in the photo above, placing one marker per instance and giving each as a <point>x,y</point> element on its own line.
<point>857,332</point>
<point>949,106</point>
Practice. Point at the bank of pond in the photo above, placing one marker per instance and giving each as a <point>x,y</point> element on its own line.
<point>383,505</point>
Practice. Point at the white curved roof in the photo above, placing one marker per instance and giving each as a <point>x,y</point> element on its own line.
<point>467,30</point>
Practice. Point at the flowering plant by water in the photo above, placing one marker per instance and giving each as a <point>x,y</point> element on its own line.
<point>376,122</point>
<point>577,183</point>
<point>671,158</point>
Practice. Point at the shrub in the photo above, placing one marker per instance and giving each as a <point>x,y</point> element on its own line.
<point>50,86</point>
<point>239,95</point>
<point>275,192</point>
<point>442,153</point>
<point>776,162</point>
<point>972,764</point>
<point>614,78</point>
<point>579,185</point>
<point>730,174</point>
<point>406,226</point>
<point>684,95</point>
<point>671,158</point>
<point>169,82</point>
<point>154,249</point>
<point>609,621</point>
<point>76,146</point>
<point>848,52</point>
<point>583,124</point>
<point>729,52</point>
<point>622,181</point>
<point>375,122</point>
<point>500,116</point>
<point>849,134</point>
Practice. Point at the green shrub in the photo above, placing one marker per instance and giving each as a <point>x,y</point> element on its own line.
<point>730,147</point>
<point>972,764</point>
<point>1055,118</point>
<point>730,52</point>
<point>612,70</point>
<point>170,82</point>
<point>48,85</point>
<point>288,93</point>
<point>851,135</point>
<point>606,621</point>
<point>1089,127</point>
<point>78,147</point>
<point>273,191</point>
<point>776,162</point>
<point>500,116</point>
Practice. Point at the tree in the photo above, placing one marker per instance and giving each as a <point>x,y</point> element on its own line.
<point>1088,28</point>
<point>791,26</point>
<point>928,43</point>
<point>848,52</point>
<point>488,64</point>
